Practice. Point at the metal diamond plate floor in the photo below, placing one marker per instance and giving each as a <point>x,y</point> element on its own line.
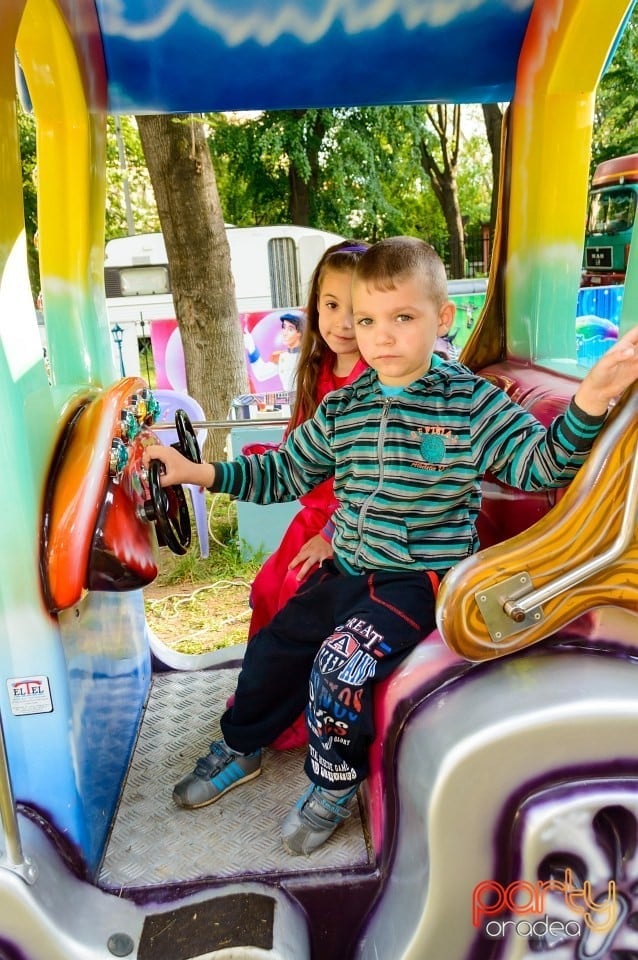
<point>155,842</point>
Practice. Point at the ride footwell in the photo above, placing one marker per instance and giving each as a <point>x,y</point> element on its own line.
<point>153,842</point>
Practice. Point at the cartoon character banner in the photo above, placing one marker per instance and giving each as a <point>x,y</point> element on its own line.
<point>272,339</point>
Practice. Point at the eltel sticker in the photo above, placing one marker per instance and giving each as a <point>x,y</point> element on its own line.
<point>29,695</point>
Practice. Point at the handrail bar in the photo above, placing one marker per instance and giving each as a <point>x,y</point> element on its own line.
<point>227,424</point>
<point>9,819</point>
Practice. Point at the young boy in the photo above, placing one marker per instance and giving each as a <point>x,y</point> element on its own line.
<point>408,443</point>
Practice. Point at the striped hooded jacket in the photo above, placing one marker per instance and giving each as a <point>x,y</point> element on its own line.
<point>408,468</point>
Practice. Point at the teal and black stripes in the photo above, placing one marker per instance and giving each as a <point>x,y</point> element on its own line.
<point>408,468</point>
<point>275,476</point>
<point>579,429</point>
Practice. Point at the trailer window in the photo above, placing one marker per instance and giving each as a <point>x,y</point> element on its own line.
<point>284,272</point>
<point>136,281</point>
<point>143,281</point>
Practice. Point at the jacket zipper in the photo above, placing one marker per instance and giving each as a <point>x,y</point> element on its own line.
<point>387,401</point>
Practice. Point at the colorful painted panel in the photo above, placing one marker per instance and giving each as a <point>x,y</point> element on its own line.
<point>278,55</point>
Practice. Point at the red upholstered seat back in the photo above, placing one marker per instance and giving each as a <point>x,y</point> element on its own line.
<point>505,512</point>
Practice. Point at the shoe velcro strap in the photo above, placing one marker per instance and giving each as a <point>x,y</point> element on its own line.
<point>213,762</point>
<point>334,808</point>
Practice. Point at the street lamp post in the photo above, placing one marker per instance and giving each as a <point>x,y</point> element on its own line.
<point>117,332</point>
<point>145,348</point>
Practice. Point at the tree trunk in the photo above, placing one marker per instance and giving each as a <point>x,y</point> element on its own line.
<point>493,116</point>
<point>442,176</point>
<point>299,198</point>
<point>454,222</point>
<point>181,171</point>
<point>303,187</point>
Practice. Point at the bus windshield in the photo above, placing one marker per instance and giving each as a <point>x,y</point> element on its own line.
<point>611,212</point>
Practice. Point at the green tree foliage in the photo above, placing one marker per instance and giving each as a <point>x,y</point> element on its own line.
<point>475,180</point>
<point>437,133</point>
<point>330,158</point>
<point>26,128</point>
<point>616,118</point>
<point>350,170</point>
<point>128,182</point>
<point>251,170</point>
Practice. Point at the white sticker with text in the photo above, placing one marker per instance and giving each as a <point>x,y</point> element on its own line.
<point>29,695</point>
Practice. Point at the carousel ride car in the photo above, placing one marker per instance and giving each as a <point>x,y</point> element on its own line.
<point>500,817</point>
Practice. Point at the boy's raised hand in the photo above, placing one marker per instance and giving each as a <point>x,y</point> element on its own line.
<point>178,468</point>
<point>609,378</point>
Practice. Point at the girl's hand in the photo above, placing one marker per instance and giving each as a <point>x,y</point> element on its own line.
<point>615,371</point>
<point>314,551</point>
<point>178,468</point>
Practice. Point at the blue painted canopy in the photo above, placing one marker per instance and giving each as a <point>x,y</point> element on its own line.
<point>208,55</point>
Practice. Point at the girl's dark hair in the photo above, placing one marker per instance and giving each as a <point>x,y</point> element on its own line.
<point>314,350</point>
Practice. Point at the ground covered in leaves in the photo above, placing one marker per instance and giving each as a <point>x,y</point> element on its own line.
<point>197,605</point>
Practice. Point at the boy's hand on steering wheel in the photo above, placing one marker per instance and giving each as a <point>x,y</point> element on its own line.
<point>178,469</point>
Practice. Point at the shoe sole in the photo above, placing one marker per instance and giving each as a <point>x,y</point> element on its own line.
<point>206,803</point>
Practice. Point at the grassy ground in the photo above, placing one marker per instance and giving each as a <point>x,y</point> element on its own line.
<point>196,605</point>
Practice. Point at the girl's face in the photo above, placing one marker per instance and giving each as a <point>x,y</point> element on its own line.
<point>336,326</point>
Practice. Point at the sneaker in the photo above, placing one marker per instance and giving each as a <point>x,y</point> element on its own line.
<point>314,818</point>
<point>216,774</point>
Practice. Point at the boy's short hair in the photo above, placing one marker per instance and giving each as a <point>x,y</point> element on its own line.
<point>395,258</point>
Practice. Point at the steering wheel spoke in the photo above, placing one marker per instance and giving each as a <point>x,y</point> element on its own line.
<point>167,507</point>
<point>187,439</point>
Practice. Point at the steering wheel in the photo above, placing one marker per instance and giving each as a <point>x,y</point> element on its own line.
<point>168,508</point>
<point>187,439</point>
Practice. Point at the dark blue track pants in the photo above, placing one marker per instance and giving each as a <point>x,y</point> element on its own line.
<point>325,650</point>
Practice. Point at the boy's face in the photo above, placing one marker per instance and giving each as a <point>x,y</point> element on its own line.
<point>396,329</point>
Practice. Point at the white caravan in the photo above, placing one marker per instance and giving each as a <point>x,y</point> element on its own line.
<point>272,267</point>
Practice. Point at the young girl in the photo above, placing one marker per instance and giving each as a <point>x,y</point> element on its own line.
<point>329,359</point>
